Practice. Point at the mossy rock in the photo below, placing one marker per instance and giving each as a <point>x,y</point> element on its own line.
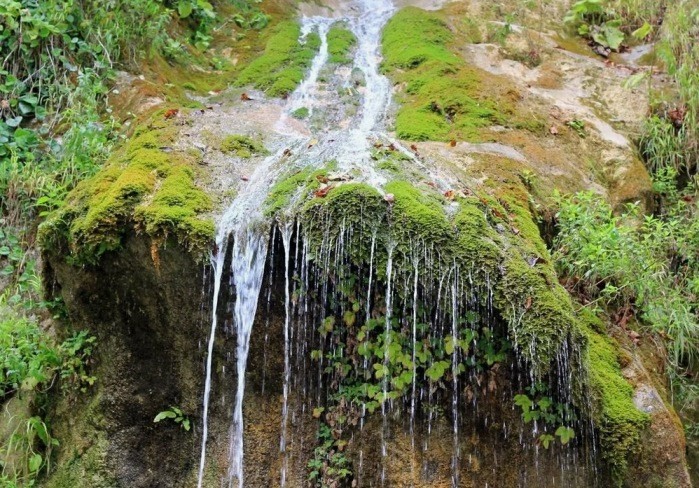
<point>145,186</point>
<point>444,98</point>
<point>243,146</point>
<point>282,66</point>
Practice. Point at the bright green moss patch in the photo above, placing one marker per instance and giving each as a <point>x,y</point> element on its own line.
<point>242,146</point>
<point>619,421</point>
<point>444,98</point>
<point>284,192</point>
<point>341,40</point>
<point>418,213</point>
<point>282,66</point>
<point>301,113</point>
<point>141,187</point>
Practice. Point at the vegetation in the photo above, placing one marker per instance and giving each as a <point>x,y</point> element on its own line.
<point>57,130</point>
<point>341,40</point>
<point>30,365</point>
<point>243,146</point>
<point>176,415</point>
<point>444,98</point>
<point>280,69</point>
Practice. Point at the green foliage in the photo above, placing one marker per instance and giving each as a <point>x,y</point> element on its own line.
<point>243,146</point>
<point>671,135</point>
<point>282,66</point>
<point>650,265</point>
<point>30,364</point>
<point>329,466</point>
<point>537,407</point>
<point>341,40</point>
<point>176,415</point>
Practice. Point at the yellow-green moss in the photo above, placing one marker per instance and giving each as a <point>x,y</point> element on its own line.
<point>280,69</point>
<point>141,187</point>
<point>341,40</point>
<point>444,98</point>
<point>242,146</point>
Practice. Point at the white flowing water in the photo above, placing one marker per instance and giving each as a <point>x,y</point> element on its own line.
<point>244,225</point>
<point>249,257</point>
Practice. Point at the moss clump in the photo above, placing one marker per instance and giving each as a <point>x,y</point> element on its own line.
<point>301,113</point>
<point>419,214</point>
<point>141,185</point>
<point>282,66</point>
<point>283,193</point>
<point>444,98</point>
<point>619,421</point>
<point>341,40</point>
<point>242,146</point>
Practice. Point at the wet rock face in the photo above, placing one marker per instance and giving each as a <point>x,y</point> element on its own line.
<point>147,320</point>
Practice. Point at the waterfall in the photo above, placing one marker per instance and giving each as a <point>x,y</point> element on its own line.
<point>249,257</point>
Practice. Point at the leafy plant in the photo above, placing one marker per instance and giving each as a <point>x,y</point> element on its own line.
<point>176,415</point>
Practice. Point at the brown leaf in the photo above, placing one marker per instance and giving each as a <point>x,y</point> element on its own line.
<point>413,147</point>
<point>171,113</point>
<point>553,130</point>
<point>322,179</point>
<point>323,192</point>
<point>450,195</point>
<point>453,143</point>
<point>287,152</point>
<point>528,303</point>
<point>245,97</point>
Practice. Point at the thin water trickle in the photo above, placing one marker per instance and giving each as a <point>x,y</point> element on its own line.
<point>286,230</point>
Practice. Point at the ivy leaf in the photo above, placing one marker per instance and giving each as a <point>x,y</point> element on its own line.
<point>546,439</point>
<point>565,434</point>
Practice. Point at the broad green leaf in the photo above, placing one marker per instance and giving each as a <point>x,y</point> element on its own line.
<point>167,414</point>
<point>185,8</point>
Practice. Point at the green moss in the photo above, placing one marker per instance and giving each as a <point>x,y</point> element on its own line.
<point>242,146</point>
<point>619,421</point>
<point>282,66</point>
<point>301,113</point>
<point>341,40</point>
<point>284,192</point>
<point>142,187</point>
<point>444,97</point>
<point>418,214</point>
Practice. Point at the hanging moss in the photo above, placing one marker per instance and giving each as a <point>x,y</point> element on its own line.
<point>281,68</point>
<point>142,187</point>
<point>621,423</point>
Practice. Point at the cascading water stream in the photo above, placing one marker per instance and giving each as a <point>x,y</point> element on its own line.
<point>249,257</point>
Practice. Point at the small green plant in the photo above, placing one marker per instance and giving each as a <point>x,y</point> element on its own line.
<point>329,466</point>
<point>176,415</point>
<point>578,126</point>
<point>537,407</point>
